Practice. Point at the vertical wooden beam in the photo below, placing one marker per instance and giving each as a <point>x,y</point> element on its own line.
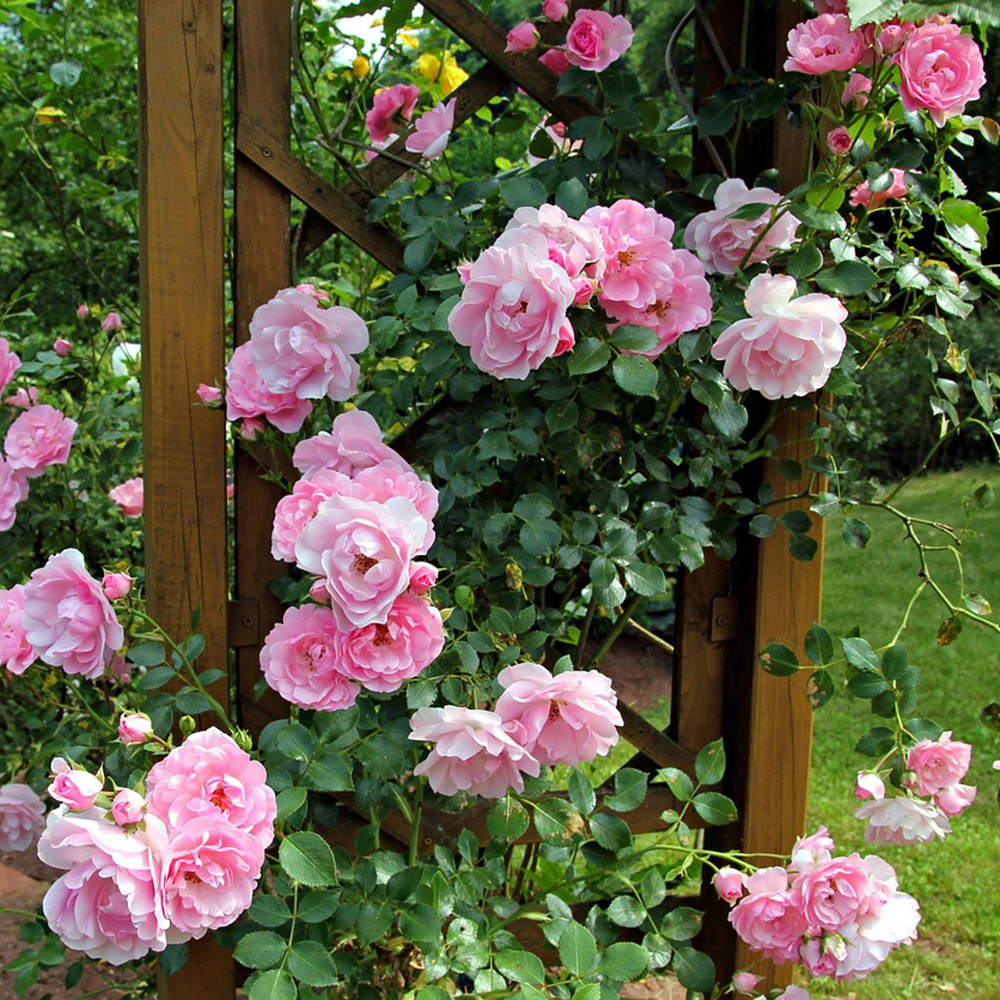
<point>181,280</point>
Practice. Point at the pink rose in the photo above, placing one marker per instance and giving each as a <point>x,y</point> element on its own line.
<point>310,289</point>
<point>251,428</point>
<point>134,728</point>
<point>953,799</point>
<point>112,323</point>
<point>869,786</point>
<point>863,194</point>
<point>62,347</point>
<point>391,108</point>
<point>839,141</point>
<point>82,311</point>
<point>22,817</point>
<point>387,479</point>
<point>16,653</point>
<point>129,496</point>
<point>76,789</point>
<point>810,851</point>
<point>209,394</point>
<point>354,442</point>
<point>564,145</point>
<point>13,489</point>
<point>513,308</point>
<point>9,363</point>
<point>294,511</point>
<point>555,10</point>
<point>68,619</point>
<point>857,89</point>
<point>788,346</point>
<point>423,576</point>
<point>363,550</point>
<point>941,70</point>
<point>902,820</point>
<point>38,438</point>
<point>596,39</point>
<point>299,661</point>
<point>824,44</point>
<point>836,892</point>
<point>382,657</point>
<point>23,398</point>
<point>938,763</point>
<point>745,982</point>
<point>432,131</point>
<point>770,922</point>
<point>893,36</point>
<point>299,347</point>
<point>522,37</point>
<point>796,992</point>
<point>247,397</point>
<point>722,243</point>
<point>127,807</point>
<point>209,777</point>
<point>566,719</point>
<point>116,585</point>
<point>472,752</point>
<point>555,60</point>
<point>728,883</point>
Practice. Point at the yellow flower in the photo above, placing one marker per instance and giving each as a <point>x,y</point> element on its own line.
<point>360,68</point>
<point>49,115</point>
<point>408,39</point>
<point>428,66</point>
<point>452,75</point>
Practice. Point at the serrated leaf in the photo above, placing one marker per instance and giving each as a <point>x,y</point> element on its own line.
<point>260,949</point>
<point>589,355</point>
<point>715,808</point>
<point>581,792</point>
<point>275,984</point>
<point>635,374</point>
<point>694,969</point>
<point>577,949</point>
<point>644,579</point>
<point>623,961</point>
<point>630,790</point>
<point>710,764</point>
<point>306,857</point>
<point>856,532</point>
<point>310,963</point>
<point>859,653</point>
<point>778,659</point>
<point>521,966</point>
<point>626,911</point>
<point>610,831</point>
<point>507,819</point>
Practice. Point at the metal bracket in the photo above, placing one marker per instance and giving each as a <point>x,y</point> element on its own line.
<point>725,619</point>
<point>243,622</point>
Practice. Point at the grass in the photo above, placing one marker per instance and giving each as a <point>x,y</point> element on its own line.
<point>955,881</point>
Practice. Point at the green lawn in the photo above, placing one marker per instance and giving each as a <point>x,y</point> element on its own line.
<point>956,881</point>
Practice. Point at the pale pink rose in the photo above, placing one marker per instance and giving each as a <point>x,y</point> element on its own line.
<point>513,308</point>
<point>795,992</point>
<point>596,39</point>
<point>112,323</point>
<point>863,194</point>
<point>22,817</point>
<point>567,719</point>
<point>423,576</point>
<point>247,397</point>
<point>209,777</point>
<point>824,44</point>
<point>728,883</point>
<point>362,550</point>
<point>13,489</point>
<point>16,653</point>
<point>9,363</point>
<point>382,657</point>
<point>391,108</point>
<point>472,752</point>
<point>555,10</point>
<point>354,442</point>
<point>300,347</point>
<point>822,952</point>
<point>857,89</point>
<point>294,511</point>
<point>310,289</point>
<point>941,70</point>
<point>116,585</point>
<point>869,786</point>
<point>127,807</point>
<point>839,141</point>
<point>722,243</point>
<point>788,346</point>
<point>209,394</point>
<point>38,438</point>
<point>522,37</point>
<point>129,496</point>
<point>78,790</point>
<point>251,428</point>
<point>62,346</point>
<point>773,879</point>
<point>387,479</point>
<point>938,763</point>
<point>770,922</point>
<point>134,728</point>
<point>953,799</point>
<point>299,662</point>
<point>432,131</point>
<point>745,982</point>
<point>68,619</point>
<point>555,60</point>
<point>810,851</point>
<point>210,869</point>
<point>23,398</point>
<point>82,311</point>
<point>902,820</point>
<point>120,669</point>
<point>893,35</point>
<point>836,893</point>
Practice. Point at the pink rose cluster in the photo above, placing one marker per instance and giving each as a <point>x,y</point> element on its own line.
<point>144,873</point>
<point>568,718</point>
<point>839,916</point>
<point>129,497</point>
<point>358,520</point>
<point>593,41</point>
<point>513,314</point>
<point>22,816</point>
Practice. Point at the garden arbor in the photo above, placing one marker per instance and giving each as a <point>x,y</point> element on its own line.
<point>726,612</point>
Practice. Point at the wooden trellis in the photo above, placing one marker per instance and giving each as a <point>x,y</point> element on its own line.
<point>726,612</point>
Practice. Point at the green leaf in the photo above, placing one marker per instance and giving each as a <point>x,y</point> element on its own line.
<point>710,764</point>
<point>649,581</point>
<point>155,678</point>
<point>572,198</point>
<point>260,949</point>
<point>623,961</point>
<point>694,969</point>
<point>330,772</point>
<point>965,222</point>
<point>762,525</point>
<point>290,800</point>
<point>269,911</point>
<point>856,532</point>
<point>65,74</point>
<point>310,963</point>
<point>630,790</point>
<point>680,785</point>
<point>518,191</point>
<point>507,819</point>
<point>275,984</point>
<point>804,262</point>
<point>419,253</point>
<point>819,645</point>
<point>729,416</point>
<point>610,831</point>
<point>316,906</point>
<point>876,742</point>
<point>589,355</point>
<point>521,966</point>
<point>577,949</point>
<point>635,374</point>
<point>307,858</point>
<point>626,911</point>
<point>373,922</point>
<point>681,923</point>
<point>715,808</point>
<point>581,792</point>
<point>859,653</point>
<point>820,688</point>
<point>630,337</point>
<point>778,659</point>
<point>866,685</point>
<point>849,277</point>
<point>147,654</point>
<point>816,218</point>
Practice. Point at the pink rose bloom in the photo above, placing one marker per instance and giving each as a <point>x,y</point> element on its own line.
<point>941,70</point>
<point>893,36</point>
<point>247,397</point>
<point>129,496</point>
<point>210,870</point>
<point>953,799</point>
<point>362,549</point>
<point>811,851</point>
<point>836,893</point>
<point>116,585</point>
<point>310,289</point>
<point>869,786</point>
<point>82,311</point>
<point>473,752</point>
<point>112,323</point>
<point>62,347</point>
<point>22,817</point>
<point>76,789</point>
<point>209,394</point>
<point>567,719</point>
<point>839,141</point>
<point>522,37</point>
<point>824,44</point>
<point>354,442</point>
<point>23,398</point>
<point>9,363</point>
<point>423,576</point>
<point>902,820</point>
<point>127,807</point>
<point>794,992</point>
<point>745,982</point>
<point>769,922</point>
<point>513,308</point>
<point>299,662</point>
<point>391,108</point>
<point>13,489</point>
<point>382,657</point>
<point>555,60</point>
<point>938,763</point>
<point>209,777</point>
<point>299,347</point>
<point>387,479</point>
<point>68,619</point>
<point>134,728</point>
<point>596,39</point>
<point>38,438</point>
<point>863,194</point>
<point>555,10</point>
<point>251,428</point>
<point>788,346</point>
<point>16,653</point>
<point>728,883</point>
<point>857,89</point>
<point>722,244</point>
<point>432,131</point>
<point>294,511</point>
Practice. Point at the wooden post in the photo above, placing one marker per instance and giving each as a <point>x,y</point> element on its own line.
<point>181,280</point>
